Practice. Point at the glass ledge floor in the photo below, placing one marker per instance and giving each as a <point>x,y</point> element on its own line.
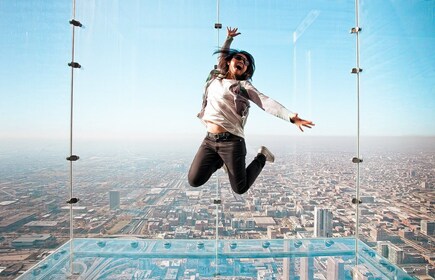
<point>108,258</point>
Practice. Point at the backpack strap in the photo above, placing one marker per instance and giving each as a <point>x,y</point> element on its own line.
<point>211,77</point>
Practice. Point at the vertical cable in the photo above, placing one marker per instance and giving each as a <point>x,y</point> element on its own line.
<point>71,158</point>
<point>358,132</point>
<point>71,225</point>
<point>217,20</point>
<point>217,200</point>
<point>217,227</point>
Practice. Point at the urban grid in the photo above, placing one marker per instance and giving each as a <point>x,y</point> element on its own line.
<point>146,196</point>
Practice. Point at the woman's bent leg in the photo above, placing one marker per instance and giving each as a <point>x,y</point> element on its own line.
<point>205,163</point>
<point>254,169</point>
<point>233,154</point>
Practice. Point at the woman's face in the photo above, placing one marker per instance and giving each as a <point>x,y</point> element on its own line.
<point>238,65</point>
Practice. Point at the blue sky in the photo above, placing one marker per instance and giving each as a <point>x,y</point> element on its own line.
<point>145,62</point>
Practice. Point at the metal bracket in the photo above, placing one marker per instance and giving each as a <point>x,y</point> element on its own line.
<point>76,23</point>
<point>218,25</point>
<point>73,200</point>
<point>73,158</point>
<point>74,65</point>
<point>355,30</point>
<point>357,160</point>
<point>356,70</point>
<point>356,201</point>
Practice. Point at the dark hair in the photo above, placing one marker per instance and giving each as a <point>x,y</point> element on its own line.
<point>228,54</point>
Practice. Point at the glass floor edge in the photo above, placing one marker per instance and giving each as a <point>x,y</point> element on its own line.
<point>122,258</point>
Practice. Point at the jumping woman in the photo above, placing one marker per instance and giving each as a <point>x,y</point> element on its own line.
<point>226,101</point>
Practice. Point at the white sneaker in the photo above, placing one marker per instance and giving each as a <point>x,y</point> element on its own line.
<point>265,151</point>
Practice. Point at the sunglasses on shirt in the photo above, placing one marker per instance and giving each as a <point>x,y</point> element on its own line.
<point>241,58</point>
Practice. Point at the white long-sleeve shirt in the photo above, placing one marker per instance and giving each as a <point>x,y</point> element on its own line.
<point>228,101</point>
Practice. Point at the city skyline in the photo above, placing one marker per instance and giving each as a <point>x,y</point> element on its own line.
<point>156,202</point>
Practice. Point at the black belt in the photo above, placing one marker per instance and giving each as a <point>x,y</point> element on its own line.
<point>221,136</point>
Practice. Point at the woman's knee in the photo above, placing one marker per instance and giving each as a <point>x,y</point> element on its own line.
<point>194,180</point>
<point>195,183</point>
<point>240,187</point>
<point>240,191</point>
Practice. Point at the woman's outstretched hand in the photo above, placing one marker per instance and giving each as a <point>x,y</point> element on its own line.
<point>301,122</point>
<point>232,32</point>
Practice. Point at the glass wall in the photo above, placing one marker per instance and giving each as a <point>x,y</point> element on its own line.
<point>144,66</point>
<point>397,143</point>
<point>34,49</point>
<point>136,130</point>
<point>136,97</point>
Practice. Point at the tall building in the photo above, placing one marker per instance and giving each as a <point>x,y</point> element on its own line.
<point>379,234</point>
<point>383,248</point>
<point>289,268</point>
<point>272,232</point>
<point>235,223</point>
<point>114,200</point>
<point>322,222</point>
<point>427,227</point>
<point>307,268</point>
<point>250,223</point>
<point>393,253</point>
<point>396,255</point>
<point>335,269</point>
<point>288,264</point>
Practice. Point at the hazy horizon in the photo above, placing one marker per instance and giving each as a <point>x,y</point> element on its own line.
<point>189,145</point>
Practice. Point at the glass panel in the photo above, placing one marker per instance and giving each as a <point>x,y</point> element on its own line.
<point>132,106</point>
<point>398,147</point>
<point>303,58</point>
<point>34,48</point>
<point>238,259</point>
<point>136,130</point>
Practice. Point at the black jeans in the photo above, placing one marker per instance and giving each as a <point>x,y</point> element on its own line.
<point>217,149</point>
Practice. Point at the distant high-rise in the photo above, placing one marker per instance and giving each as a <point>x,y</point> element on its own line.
<point>412,173</point>
<point>288,263</point>
<point>382,248</point>
<point>322,222</point>
<point>393,253</point>
<point>114,200</point>
<point>396,255</point>
<point>307,268</point>
<point>235,223</point>
<point>271,232</point>
<point>379,234</point>
<point>335,269</point>
<point>250,223</point>
<point>427,227</point>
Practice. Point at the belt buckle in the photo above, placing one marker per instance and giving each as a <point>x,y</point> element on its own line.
<point>214,136</point>
<point>224,136</point>
<point>219,136</point>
